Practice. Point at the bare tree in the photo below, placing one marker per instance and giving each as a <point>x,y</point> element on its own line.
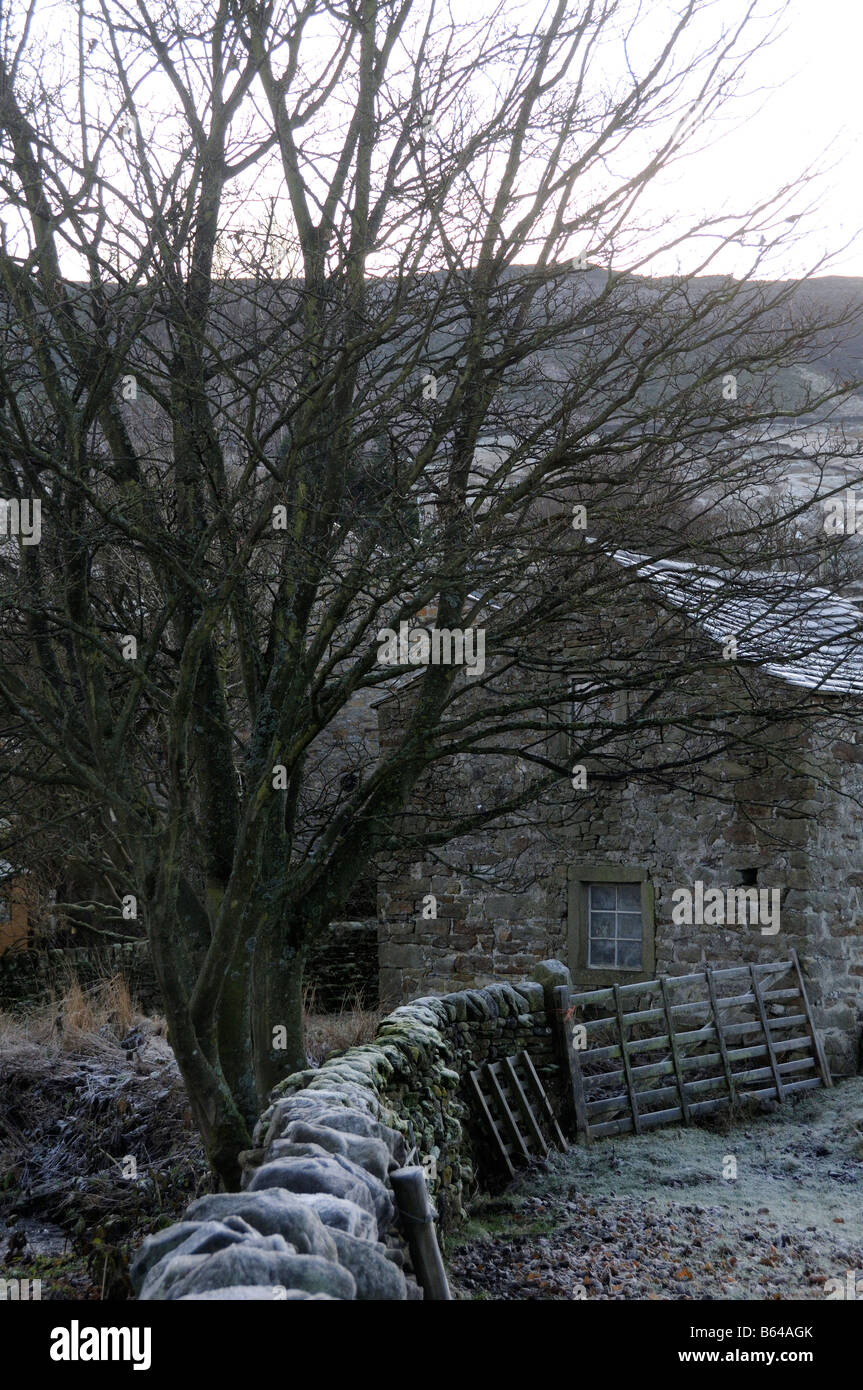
<point>313,320</point>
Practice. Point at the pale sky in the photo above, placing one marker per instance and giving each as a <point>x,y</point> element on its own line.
<point>803,106</point>
<point>816,103</point>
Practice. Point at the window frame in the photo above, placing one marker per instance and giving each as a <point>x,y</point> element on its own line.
<point>579,878</point>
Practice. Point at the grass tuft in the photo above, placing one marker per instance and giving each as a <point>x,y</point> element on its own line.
<point>72,1018</point>
<point>329,1033</point>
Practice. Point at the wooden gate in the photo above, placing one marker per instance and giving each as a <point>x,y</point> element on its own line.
<point>510,1092</point>
<point>681,1046</point>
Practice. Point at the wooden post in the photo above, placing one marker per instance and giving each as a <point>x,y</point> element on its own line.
<point>820,1055</point>
<point>675,1055</point>
<point>568,1060</point>
<point>624,1057</point>
<point>720,1037</point>
<point>765,1025</point>
<point>417,1221</point>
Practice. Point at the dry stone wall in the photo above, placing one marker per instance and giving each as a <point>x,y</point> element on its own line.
<point>315,1218</point>
<point>342,970</point>
<point>31,976</point>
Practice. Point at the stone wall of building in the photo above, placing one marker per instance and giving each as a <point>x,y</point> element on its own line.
<point>790,817</point>
<point>16,898</point>
<point>316,1216</point>
<point>826,894</point>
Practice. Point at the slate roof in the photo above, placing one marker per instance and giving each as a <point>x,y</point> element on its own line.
<point>806,636</point>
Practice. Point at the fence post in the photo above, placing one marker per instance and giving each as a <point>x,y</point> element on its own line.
<point>417,1220</point>
<point>559,1001</point>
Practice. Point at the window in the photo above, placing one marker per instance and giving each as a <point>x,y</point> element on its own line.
<point>614,926</point>
<point>610,920</point>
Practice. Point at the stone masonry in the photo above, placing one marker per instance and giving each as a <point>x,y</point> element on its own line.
<point>790,819</point>
<point>316,1217</point>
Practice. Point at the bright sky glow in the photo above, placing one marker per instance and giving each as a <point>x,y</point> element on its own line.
<point>807,86</point>
<point>799,107</point>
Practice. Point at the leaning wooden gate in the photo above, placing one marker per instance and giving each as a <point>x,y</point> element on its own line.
<point>510,1091</point>
<point>670,1049</point>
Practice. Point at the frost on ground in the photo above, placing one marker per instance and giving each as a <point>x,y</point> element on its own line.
<point>97,1144</point>
<point>97,1149</point>
<point>652,1217</point>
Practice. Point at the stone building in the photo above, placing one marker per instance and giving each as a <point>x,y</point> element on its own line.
<point>624,888</point>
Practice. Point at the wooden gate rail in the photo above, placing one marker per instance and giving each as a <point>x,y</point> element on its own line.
<point>769,1054</point>
<point>517,1113</point>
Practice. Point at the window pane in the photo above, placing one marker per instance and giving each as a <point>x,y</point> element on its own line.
<point>629,953</point>
<point>602,924</point>
<point>601,953</point>
<point>615,929</point>
<point>629,925</point>
<point>629,897</point>
<point>602,897</point>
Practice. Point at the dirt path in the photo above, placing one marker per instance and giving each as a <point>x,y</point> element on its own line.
<point>661,1216</point>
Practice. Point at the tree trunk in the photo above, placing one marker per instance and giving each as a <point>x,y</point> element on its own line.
<point>224,1132</point>
<point>223,1127</point>
<point>279,1035</point>
<point>234,1031</point>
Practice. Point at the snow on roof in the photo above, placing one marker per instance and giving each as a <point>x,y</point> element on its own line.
<point>806,636</point>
